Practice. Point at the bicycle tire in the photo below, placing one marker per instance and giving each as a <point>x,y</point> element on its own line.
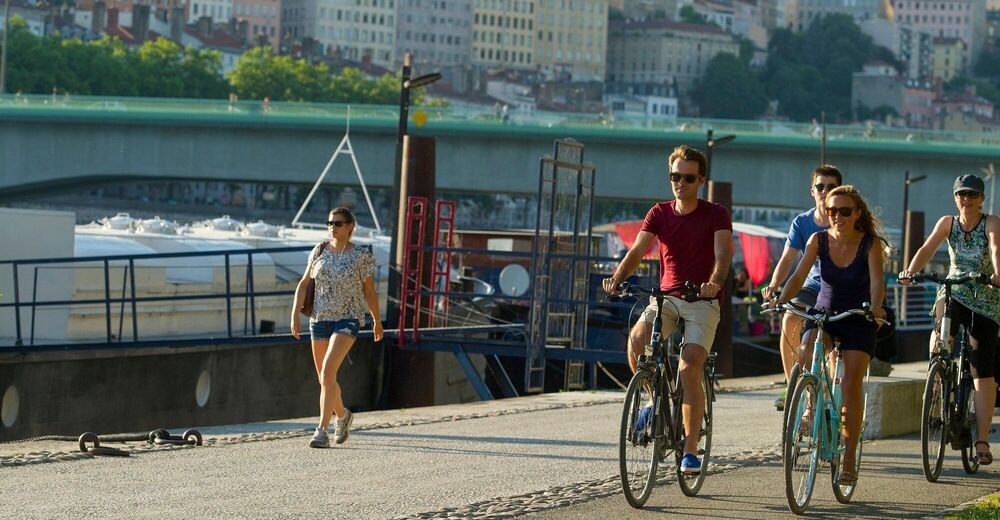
<point>691,484</point>
<point>967,416</point>
<point>793,378</point>
<point>638,448</point>
<point>801,456</point>
<point>934,421</point>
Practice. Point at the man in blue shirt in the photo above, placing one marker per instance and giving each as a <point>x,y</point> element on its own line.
<point>824,179</point>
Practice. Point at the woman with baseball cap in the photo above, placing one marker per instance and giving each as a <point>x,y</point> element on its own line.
<point>974,247</point>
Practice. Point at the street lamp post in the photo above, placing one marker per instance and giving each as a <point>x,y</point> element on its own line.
<point>710,143</point>
<point>3,52</point>
<point>822,142</point>
<point>399,201</point>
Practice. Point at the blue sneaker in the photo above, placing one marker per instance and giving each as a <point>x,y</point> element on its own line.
<point>690,465</point>
<point>641,422</point>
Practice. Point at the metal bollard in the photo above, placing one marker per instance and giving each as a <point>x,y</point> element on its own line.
<point>162,437</point>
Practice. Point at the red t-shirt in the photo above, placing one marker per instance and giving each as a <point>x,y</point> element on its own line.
<point>687,242</point>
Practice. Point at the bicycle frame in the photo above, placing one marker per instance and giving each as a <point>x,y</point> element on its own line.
<point>826,426</point>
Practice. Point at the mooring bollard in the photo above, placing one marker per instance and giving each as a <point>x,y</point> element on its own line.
<point>97,449</point>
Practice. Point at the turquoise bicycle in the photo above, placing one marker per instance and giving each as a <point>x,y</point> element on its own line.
<point>812,431</point>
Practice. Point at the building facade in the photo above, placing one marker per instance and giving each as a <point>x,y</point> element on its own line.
<point>664,52</point>
<point>949,58</point>
<point>436,33</point>
<point>861,10</point>
<point>571,39</point>
<point>359,30</point>
<point>964,19</point>
<point>503,34</point>
<point>263,20</point>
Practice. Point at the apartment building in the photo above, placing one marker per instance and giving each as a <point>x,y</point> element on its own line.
<point>263,19</point>
<point>571,39</point>
<point>215,10</point>
<point>503,33</point>
<point>663,52</point>
<point>437,33</point>
<point>354,29</point>
<point>965,19</point>
<point>861,10</point>
<point>949,58</point>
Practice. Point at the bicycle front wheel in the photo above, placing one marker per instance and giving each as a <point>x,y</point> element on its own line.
<point>801,445</point>
<point>793,378</point>
<point>967,411</point>
<point>691,484</point>
<point>639,440</point>
<point>933,422</point>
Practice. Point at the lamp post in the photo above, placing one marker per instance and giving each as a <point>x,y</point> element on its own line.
<point>991,174</point>
<point>822,142</point>
<point>710,143</point>
<point>399,201</point>
<point>3,52</point>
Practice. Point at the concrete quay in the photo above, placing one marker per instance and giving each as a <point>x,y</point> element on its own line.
<point>546,456</point>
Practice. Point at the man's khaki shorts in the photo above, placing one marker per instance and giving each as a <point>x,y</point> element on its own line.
<point>700,319</point>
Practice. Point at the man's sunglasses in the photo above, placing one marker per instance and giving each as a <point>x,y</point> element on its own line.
<point>820,188</point>
<point>337,223</point>
<point>845,212</point>
<point>967,194</point>
<point>689,178</point>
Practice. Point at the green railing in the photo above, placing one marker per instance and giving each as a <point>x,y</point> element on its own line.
<point>458,119</point>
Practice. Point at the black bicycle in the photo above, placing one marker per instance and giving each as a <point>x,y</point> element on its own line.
<point>948,411</point>
<point>651,426</point>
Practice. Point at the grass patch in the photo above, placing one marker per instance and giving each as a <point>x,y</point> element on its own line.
<point>988,509</point>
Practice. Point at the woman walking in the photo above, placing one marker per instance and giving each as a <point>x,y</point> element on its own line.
<point>344,290</point>
<point>973,247</point>
<point>851,255</point>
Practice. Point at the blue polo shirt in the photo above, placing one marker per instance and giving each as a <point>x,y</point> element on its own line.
<point>803,226</point>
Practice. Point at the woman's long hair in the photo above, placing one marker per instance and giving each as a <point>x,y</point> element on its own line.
<point>867,221</point>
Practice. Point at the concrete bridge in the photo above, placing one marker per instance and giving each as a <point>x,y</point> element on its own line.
<point>49,144</point>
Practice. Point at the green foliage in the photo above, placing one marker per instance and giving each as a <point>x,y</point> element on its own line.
<point>811,72</point>
<point>730,90</point>
<point>988,65</point>
<point>747,49</point>
<point>984,88</point>
<point>689,15</point>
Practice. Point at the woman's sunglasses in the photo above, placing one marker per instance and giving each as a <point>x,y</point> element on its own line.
<point>337,223</point>
<point>820,188</point>
<point>689,178</point>
<point>845,212</point>
<point>967,194</point>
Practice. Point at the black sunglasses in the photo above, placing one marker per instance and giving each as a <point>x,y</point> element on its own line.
<point>337,223</point>
<point>846,211</point>
<point>820,188</point>
<point>967,194</point>
<point>689,178</point>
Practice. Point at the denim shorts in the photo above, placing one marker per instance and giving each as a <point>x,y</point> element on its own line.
<point>326,329</point>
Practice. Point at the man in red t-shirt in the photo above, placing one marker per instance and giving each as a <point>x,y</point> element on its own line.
<point>695,239</point>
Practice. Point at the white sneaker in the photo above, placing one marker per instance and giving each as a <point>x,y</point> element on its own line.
<point>320,439</point>
<point>343,427</point>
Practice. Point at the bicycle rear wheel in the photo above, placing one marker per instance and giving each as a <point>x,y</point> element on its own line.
<point>801,445</point>
<point>691,484</point>
<point>793,378</point>
<point>639,439</point>
<point>967,410</point>
<point>933,421</point>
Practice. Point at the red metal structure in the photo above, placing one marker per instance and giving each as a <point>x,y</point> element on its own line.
<point>444,228</point>
<point>413,267</point>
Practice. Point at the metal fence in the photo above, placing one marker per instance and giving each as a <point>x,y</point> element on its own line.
<point>912,304</point>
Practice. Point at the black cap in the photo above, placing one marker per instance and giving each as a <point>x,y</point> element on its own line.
<point>969,182</point>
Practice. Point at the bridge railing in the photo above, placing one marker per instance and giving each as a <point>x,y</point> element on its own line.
<point>485,116</point>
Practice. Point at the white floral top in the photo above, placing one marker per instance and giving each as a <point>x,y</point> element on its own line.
<point>340,283</point>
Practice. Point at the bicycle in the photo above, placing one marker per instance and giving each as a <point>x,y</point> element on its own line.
<point>812,436</point>
<point>656,385</point>
<point>947,415</point>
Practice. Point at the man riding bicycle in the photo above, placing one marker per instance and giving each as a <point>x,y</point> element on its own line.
<point>974,247</point>
<point>695,244</point>
<point>824,179</point>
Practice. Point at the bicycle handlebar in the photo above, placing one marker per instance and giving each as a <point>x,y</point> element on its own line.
<point>688,291</point>
<point>826,315</point>
<point>960,280</point>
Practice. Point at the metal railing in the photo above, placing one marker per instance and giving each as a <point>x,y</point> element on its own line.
<point>465,117</point>
<point>914,312</point>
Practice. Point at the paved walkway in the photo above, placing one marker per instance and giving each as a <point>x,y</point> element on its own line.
<point>549,456</point>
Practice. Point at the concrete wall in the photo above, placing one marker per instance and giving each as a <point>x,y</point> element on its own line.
<point>114,391</point>
<point>35,234</point>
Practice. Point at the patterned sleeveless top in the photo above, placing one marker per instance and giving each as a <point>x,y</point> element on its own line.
<point>970,252</point>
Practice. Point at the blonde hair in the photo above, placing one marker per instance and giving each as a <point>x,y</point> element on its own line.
<point>867,221</point>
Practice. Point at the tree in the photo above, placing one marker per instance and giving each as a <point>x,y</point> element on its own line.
<point>689,15</point>
<point>730,90</point>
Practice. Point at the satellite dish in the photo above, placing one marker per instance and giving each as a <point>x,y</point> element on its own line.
<point>514,280</point>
